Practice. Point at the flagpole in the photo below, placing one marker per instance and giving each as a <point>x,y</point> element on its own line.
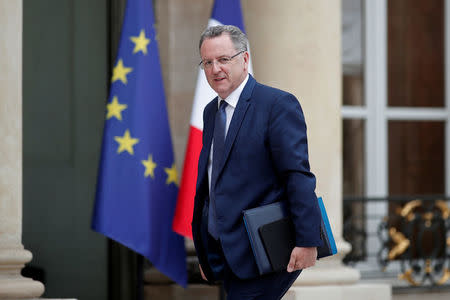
<point>140,278</point>
<point>222,295</point>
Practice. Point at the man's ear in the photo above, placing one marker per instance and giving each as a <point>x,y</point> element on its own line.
<point>246,56</point>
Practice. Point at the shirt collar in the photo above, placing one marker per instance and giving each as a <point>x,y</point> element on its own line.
<point>233,98</point>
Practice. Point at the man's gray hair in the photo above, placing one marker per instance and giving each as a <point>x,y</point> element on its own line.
<point>238,38</point>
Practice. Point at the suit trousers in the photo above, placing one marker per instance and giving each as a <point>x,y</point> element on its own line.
<point>266,287</point>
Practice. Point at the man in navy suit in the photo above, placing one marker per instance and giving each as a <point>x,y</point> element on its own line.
<point>254,153</point>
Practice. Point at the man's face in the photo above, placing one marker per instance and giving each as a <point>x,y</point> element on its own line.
<point>224,78</point>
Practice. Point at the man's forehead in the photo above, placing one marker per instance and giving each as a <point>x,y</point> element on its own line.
<point>220,45</point>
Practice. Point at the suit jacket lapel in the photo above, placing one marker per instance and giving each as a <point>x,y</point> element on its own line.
<point>238,117</point>
<point>208,131</point>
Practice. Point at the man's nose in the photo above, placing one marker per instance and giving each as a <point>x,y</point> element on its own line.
<point>215,67</point>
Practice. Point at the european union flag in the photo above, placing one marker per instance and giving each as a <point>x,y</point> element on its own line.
<point>137,183</point>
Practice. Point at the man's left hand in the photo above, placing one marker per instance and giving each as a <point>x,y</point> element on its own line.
<point>302,258</point>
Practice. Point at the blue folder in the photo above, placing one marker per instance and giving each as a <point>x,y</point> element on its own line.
<point>272,236</point>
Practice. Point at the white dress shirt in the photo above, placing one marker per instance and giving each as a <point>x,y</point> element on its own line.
<point>232,101</point>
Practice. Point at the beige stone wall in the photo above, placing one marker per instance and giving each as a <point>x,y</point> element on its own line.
<point>180,23</point>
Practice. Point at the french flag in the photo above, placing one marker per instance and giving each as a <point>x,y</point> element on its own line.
<point>225,12</point>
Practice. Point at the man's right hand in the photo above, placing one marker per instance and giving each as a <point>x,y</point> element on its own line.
<point>201,272</point>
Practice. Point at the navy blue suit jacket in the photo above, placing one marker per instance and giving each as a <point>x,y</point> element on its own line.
<point>265,160</point>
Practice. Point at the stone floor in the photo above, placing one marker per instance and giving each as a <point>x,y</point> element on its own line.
<point>402,291</point>
<point>205,292</point>
<point>422,296</point>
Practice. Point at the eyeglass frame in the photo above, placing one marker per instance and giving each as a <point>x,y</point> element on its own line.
<point>227,60</point>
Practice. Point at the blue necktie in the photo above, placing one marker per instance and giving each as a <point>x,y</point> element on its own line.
<point>219,143</point>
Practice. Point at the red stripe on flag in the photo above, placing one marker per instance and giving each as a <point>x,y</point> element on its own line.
<point>185,203</point>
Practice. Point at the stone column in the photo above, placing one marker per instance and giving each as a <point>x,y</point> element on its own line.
<point>12,254</point>
<point>296,46</point>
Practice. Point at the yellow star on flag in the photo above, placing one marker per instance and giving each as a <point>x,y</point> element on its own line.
<point>172,175</point>
<point>126,142</point>
<point>115,109</point>
<point>140,42</point>
<point>120,72</point>
<point>150,166</point>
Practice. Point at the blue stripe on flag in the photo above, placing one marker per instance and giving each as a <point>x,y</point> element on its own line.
<point>228,12</point>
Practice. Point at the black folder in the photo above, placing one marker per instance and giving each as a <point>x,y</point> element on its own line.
<point>272,236</point>
<point>278,241</point>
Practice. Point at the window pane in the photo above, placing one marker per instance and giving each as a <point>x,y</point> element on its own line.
<point>352,89</point>
<point>352,49</point>
<point>416,53</point>
<point>354,166</point>
<point>416,157</point>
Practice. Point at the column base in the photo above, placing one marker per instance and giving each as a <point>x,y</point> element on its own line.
<point>20,288</point>
<point>340,292</point>
<point>319,275</point>
<point>330,270</point>
<point>12,284</point>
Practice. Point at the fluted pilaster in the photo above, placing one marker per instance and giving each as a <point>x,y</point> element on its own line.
<point>296,46</point>
<point>12,254</point>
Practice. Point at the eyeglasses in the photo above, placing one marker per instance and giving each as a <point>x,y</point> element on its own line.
<point>207,64</point>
